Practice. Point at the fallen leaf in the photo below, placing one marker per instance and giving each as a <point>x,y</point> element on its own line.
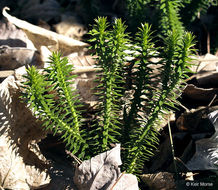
<point>42,37</point>
<point>207,71</point>
<point>21,161</point>
<point>16,49</point>
<point>102,172</point>
<point>14,57</point>
<point>11,36</point>
<point>196,121</point>
<point>199,94</point>
<point>204,63</point>
<point>208,79</point>
<point>206,156</point>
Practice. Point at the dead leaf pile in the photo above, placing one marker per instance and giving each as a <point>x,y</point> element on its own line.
<point>194,132</point>
<point>42,37</point>
<point>25,44</point>
<point>16,52</point>
<point>16,49</point>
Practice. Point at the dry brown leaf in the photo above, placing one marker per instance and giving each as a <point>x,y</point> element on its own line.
<point>206,68</point>
<point>208,63</point>
<point>204,63</point>
<point>192,121</point>
<point>14,57</point>
<point>200,94</point>
<point>16,49</point>
<point>21,162</point>
<point>11,36</point>
<point>42,37</point>
<point>83,63</point>
<point>102,172</point>
<point>4,74</point>
<point>208,79</point>
<point>206,155</point>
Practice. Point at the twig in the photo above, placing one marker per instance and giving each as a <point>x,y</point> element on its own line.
<point>191,77</point>
<point>172,147</point>
<point>211,102</point>
<point>117,180</point>
<point>75,158</point>
<point>180,104</point>
<point>179,160</point>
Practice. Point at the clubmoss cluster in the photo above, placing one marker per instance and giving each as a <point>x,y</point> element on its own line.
<point>133,124</point>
